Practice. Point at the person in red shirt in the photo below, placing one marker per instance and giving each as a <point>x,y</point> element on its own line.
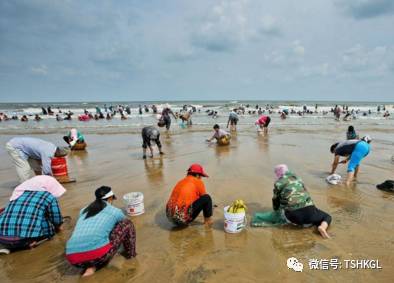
<point>263,123</point>
<point>189,198</point>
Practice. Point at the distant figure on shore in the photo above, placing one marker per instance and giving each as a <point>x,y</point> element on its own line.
<point>74,137</point>
<point>33,156</point>
<point>189,198</point>
<point>100,232</point>
<point>291,197</point>
<point>37,118</point>
<point>150,134</point>
<point>351,133</point>
<point>354,151</point>
<point>221,136</point>
<point>232,120</point>
<point>33,214</point>
<point>263,123</point>
<point>165,116</point>
<point>24,118</point>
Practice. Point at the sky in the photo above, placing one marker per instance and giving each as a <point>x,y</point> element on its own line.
<point>128,50</point>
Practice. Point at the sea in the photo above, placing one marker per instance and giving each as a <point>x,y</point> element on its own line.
<point>317,114</point>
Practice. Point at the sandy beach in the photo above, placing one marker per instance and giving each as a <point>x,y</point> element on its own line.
<point>362,215</point>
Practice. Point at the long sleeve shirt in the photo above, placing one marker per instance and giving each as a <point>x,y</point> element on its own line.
<point>32,215</point>
<point>35,149</point>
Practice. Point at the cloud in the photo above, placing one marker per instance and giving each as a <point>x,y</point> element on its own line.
<point>365,9</point>
<point>298,49</point>
<point>292,55</point>
<point>270,26</point>
<point>41,70</point>
<point>224,28</point>
<point>182,55</point>
<point>364,62</point>
<point>230,24</point>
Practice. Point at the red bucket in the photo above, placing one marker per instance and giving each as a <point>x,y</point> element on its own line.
<point>59,166</point>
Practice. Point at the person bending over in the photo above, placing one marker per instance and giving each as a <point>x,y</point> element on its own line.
<point>293,200</point>
<point>150,134</point>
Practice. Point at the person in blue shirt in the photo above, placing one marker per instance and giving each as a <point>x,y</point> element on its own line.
<point>99,233</point>
<point>32,156</point>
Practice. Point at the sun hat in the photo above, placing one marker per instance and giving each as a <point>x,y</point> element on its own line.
<point>197,169</point>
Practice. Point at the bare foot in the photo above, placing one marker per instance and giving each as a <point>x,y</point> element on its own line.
<point>33,244</point>
<point>89,271</point>
<point>208,221</point>
<point>323,232</point>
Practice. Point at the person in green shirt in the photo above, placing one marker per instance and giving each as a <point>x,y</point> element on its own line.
<point>291,197</point>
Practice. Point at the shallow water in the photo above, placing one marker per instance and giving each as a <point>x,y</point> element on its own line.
<point>362,215</point>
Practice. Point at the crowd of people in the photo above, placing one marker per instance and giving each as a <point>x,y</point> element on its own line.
<point>33,216</point>
<point>186,112</point>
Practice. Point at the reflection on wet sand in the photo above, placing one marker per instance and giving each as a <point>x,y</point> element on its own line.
<point>154,170</point>
<point>361,227</point>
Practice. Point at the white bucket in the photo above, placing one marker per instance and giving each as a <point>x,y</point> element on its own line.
<point>134,203</point>
<point>234,222</point>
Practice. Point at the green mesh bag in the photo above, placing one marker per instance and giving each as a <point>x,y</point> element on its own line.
<point>267,219</point>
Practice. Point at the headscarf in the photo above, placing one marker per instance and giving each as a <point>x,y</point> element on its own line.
<point>280,170</point>
<point>39,184</point>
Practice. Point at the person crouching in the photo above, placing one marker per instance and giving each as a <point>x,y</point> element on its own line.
<point>99,233</point>
<point>32,215</point>
<point>221,136</point>
<point>189,198</point>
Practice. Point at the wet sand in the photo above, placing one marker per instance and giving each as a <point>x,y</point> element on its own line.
<point>362,215</point>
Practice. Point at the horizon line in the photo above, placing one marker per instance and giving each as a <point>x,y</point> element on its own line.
<point>199,100</point>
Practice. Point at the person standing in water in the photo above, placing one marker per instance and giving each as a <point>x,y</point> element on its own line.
<point>150,134</point>
<point>188,198</point>
<point>263,123</point>
<point>232,120</point>
<point>165,116</point>
<point>293,200</point>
